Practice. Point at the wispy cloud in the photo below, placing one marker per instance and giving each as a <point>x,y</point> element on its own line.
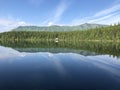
<point>103,18</point>
<point>108,11</point>
<point>111,20</point>
<point>107,16</point>
<point>57,13</point>
<point>60,10</point>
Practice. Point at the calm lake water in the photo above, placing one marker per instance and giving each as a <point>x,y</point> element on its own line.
<point>87,67</point>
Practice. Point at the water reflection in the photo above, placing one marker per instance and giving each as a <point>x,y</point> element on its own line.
<point>84,48</point>
<point>82,67</point>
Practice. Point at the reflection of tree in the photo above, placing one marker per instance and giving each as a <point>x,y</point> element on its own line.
<point>97,47</point>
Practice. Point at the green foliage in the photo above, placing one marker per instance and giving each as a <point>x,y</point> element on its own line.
<point>111,33</point>
<point>53,28</point>
<point>82,47</point>
<point>73,39</point>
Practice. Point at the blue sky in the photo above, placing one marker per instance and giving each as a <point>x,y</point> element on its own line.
<point>14,13</point>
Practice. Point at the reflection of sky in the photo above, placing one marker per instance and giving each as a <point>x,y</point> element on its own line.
<point>6,53</point>
<point>107,63</point>
<point>58,61</point>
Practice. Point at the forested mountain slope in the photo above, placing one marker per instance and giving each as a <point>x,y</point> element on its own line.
<point>104,33</point>
<point>53,28</point>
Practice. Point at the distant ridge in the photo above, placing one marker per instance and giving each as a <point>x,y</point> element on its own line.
<point>52,28</point>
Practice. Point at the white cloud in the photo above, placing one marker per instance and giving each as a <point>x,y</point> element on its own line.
<point>50,23</point>
<point>8,24</point>
<point>4,22</point>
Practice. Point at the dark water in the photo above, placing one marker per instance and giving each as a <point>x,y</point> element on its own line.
<point>60,67</point>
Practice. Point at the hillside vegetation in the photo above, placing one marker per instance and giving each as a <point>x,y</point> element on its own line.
<point>56,28</point>
<point>110,33</point>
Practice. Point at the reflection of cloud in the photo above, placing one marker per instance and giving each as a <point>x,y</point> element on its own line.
<point>50,54</point>
<point>106,63</point>
<point>22,54</point>
<point>108,68</point>
<point>60,68</point>
<point>7,53</point>
<point>103,62</point>
<point>57,64</point>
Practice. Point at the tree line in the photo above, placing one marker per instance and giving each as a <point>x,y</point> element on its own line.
<point>111,33</point>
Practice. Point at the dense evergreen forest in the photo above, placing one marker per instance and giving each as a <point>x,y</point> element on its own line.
<point>73,40</point>
<point>110,33</point>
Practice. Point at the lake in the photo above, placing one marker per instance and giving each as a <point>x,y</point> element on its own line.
<point>59,66</point>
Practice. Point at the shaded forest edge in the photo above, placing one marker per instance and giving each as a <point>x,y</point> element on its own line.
<point>110,33</point>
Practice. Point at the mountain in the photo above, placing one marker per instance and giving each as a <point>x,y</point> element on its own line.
<point>85,26</point>
<point>57,50</point>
